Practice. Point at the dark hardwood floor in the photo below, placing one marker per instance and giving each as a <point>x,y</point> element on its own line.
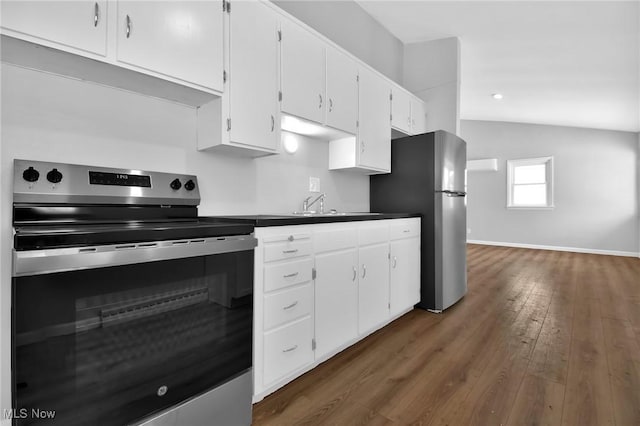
<point>541,338</point>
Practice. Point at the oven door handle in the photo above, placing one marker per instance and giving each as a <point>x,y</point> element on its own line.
<point>47,261</point>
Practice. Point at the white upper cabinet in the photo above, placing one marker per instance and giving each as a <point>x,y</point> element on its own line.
<point>342,91</point>
<point>400,110</point>
<point>78,25</point>
<point>418,116</point>
<point>302,73</point>
<point>253,76</point>
<point>180,39</point>
<point>374,131</point>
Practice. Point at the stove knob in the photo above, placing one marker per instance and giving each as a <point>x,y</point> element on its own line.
<point>54,176</point>
<point>175,184</point>
<point>31,175</point>
<point>190,185</point>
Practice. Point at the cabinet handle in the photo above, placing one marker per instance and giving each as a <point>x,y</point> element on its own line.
<point>291,305</point>
<point>292,348</point>
<point>96,14</point>
<point>291,275</point>
<point>362,147</point>
<point>406,231</point>
<point>128,26</point>
<point>290,251</point>
<point>330,104</point>
<point>395,262</point>
<point>320,106</point>
<point>355,274</point>
<point>364,271</point>
<point>273,123</point>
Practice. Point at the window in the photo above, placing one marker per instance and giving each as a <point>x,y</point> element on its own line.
<point>530,183</point>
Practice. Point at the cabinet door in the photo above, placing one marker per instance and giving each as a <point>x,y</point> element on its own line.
<point>401,110</point>
<point>418,117</point>
<point>302,73</point>
<point>336,300</point>
<point>373,286</point>
<point>374,132</point>
<point>179,39</point>
<point>342,91</point>
<point>253,80</point>
<point>405,274</point>
<point>76,24</point>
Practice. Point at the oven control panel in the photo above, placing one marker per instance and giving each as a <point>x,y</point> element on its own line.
<point>38,181</point>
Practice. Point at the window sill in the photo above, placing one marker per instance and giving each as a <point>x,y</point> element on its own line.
<point>530,207</point>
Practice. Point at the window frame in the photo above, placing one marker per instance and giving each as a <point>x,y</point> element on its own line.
<point>548,163</point>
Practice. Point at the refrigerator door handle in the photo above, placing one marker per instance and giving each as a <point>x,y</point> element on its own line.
<point>453,193</point>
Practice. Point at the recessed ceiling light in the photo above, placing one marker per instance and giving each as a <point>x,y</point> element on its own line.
<point>497,96</point>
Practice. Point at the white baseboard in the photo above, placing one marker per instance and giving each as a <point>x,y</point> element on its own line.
<point>557,248</point>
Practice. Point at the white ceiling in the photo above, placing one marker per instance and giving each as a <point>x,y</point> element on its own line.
<point>571,63</point>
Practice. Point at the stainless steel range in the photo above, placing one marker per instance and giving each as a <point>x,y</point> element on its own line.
<point>126,307</point>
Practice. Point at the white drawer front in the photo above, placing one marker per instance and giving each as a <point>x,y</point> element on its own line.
<point>335,238</point>
<point>287,250</point>
<point>286,274</point>
<point>373,232</point>
<point>287,305</point>
<point>405,228</point>
<point>294,235</point>
<point>287,349</point>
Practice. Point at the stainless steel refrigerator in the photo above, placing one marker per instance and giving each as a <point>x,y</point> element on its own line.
<point>428,176</point>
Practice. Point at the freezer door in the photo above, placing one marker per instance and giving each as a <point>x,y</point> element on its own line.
<point>451,248</point>
<point>450,162</point>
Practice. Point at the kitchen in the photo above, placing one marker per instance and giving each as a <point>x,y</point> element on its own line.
<point>49,118</point>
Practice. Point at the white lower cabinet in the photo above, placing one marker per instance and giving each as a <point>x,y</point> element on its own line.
<point>404,256</point>
<point>287,349</point>
<point>320,288</point>
<point>373,280</point>
<point>336,296</point>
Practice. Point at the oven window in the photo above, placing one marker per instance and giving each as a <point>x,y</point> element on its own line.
<point>110,346</point>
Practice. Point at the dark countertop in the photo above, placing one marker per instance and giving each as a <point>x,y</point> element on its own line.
<point>262,220</point>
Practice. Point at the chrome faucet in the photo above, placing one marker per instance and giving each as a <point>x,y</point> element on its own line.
<point>306,204</point>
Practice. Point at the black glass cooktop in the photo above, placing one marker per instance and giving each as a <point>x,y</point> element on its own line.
<point>41,236</point>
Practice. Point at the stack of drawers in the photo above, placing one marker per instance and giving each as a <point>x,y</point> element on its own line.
<point>288,304</point>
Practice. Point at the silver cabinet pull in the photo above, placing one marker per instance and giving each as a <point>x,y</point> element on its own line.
<point>330,104</point>
<point>128,20</point>
<point>364,271</point>
<point>355,274</point>
<point>292,348</point>
<point>291,305</point>
<point>362,146</point>
<point>290,251</point>
<point>273,123</point>
<point>320,106</point>
<point>406,231</point>
<point>96,14</point>
<point>395,262</point>
<point>291,275</point>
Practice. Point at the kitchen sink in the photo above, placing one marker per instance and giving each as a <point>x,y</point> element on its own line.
<point>329,214</point>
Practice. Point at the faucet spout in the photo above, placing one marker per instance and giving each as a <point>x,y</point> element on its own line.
<point>306,204</point>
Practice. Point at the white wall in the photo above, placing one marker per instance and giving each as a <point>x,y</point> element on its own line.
<point>349,26</point>
<point>51,118</point>
<point>596,187</point>
<point>431,70</point>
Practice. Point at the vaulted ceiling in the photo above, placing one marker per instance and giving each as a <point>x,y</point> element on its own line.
<point>571,63</point>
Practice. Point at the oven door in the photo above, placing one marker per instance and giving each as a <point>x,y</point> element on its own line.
<point>109,335</point>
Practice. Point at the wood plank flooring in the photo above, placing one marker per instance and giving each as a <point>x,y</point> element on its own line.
<point>541,338</point>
